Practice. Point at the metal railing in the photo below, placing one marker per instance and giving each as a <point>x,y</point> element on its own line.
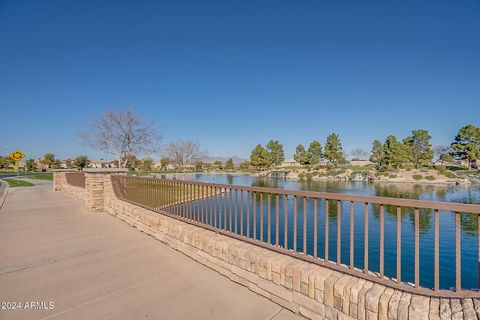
<point>291,222</point>
<point>76,179</point>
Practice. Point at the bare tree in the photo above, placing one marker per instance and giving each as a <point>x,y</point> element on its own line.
<point>441,150</point>
<point>443,153</point>
<point>358,154</point>
<point>182,152</point>
<point>121,133</point>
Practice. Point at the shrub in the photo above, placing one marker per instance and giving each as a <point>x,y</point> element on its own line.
<point>449,175</point>
<point>308,176</point>
<point>430,178</point>
<point>392,176</point>
<point>331,173</point>
<point>382,169</point>
<point>361,168</point>
<point>301,176</point>
<point>417,177</point>
<point>456,168</point>
<point>315,173</point>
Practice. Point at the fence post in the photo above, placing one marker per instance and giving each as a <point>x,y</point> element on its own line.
<point>96,181</point>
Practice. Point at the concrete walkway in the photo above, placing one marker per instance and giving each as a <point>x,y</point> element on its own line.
<point>93,266</point>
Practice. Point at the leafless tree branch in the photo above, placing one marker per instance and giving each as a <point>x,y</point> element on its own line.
<point>122,133</point>
<point>182,152</point>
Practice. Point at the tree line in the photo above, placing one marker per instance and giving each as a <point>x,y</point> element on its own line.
<point>273,153</point>
<point>333,152</point>
<point>125,135</point>
<point>393,153</point>
<point>417,149</point>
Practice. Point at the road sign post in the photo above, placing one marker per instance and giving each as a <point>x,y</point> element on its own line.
<point>16,156</point>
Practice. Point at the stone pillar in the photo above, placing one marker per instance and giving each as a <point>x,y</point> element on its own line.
<point>97,181</point>
<point>59,178</point>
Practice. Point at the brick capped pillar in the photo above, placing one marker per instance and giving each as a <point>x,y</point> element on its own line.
<point>97,183</point>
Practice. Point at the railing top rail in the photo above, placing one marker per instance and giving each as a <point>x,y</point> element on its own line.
<point>411,203</point>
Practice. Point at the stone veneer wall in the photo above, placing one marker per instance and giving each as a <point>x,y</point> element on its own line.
<point>313,291</point>
<point>60,184</point>
<point>94,183</point>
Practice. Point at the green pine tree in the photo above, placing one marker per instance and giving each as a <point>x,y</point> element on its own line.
<point>301,155</point>
<point>396,154</point>
<point>314,152</point>
<point>259,158</point>
<point>467,143</point>
<point>229,164</point>
<point>377,155</point>
<point>333,149</point>
<point>276,153</point>
<point>419,147</point>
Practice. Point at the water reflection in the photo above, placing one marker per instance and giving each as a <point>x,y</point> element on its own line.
<point>469,223</point>
<point>451,193</point>
<point>255,215</point>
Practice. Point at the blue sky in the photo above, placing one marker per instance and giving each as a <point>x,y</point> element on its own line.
<point>232,74</point>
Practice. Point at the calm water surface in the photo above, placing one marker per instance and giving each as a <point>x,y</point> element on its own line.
<point>462,194</point>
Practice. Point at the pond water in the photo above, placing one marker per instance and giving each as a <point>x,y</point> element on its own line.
<point>462,194</point>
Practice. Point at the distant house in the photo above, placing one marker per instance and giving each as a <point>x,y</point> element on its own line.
<point>361,163</point>
<point>458,163</point>
<point>112,164</point>
<point>474,164</point>
<point>189,166</point>
<point>103,163</point>
<point>158,166</point>
<point>461,163</point>
<point>290,163</point>
<point>99,163</point>
<point>39,165</point>
<point>63,163</point>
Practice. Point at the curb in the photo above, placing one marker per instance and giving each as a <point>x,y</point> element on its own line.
<point>3,196</point>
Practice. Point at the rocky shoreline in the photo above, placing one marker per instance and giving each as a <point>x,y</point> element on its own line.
<point>425,176</point>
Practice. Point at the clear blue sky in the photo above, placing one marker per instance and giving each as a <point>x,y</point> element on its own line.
<point>232,74</point>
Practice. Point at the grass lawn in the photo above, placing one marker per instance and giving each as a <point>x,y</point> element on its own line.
<point>13,183</point>
<point>43,176</point>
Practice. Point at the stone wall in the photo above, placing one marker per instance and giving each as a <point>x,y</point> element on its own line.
<point>313,291</point>
<point>94,184</point>
<point>75,191</point>
<point>60,184</point>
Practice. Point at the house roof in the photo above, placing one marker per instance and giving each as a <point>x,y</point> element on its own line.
<point>100,161</point>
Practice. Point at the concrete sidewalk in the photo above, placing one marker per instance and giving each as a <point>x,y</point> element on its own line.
<point>93,266</point>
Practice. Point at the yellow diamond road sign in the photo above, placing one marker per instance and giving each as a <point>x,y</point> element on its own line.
<point>17,155</point>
